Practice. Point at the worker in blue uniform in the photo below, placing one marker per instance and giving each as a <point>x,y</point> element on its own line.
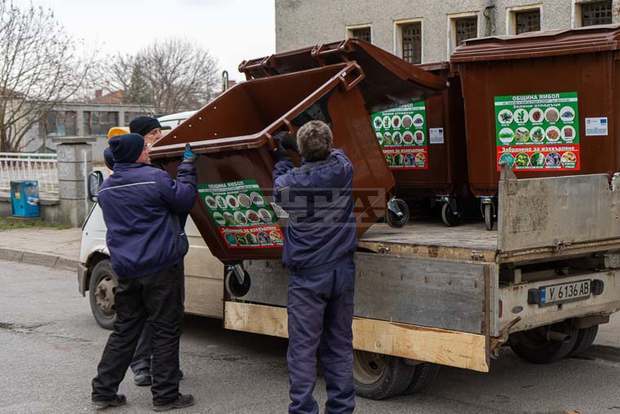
<point>142,208</point>
<point>320,240</point>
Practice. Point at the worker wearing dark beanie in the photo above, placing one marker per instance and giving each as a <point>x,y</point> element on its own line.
<point>145,210</point>
<point>127,148</point>
<point>143,125</point>
<point>108,158</point>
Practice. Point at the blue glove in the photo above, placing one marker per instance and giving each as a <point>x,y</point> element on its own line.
<point>188,154</point>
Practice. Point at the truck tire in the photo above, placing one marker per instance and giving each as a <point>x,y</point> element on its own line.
<point>101,290</point>
<point>423,376</point>
<point>585,339</point>
<point>536,347</point>
<point>378,377</point>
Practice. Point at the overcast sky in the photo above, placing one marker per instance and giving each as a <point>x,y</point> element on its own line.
<point>232,30</point>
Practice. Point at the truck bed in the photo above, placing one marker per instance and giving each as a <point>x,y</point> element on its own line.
<point>538,220</point>
<point>434,240</point>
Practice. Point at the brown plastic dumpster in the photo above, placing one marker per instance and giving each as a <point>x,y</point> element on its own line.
<point>544,103</point>
<point>428,158</point>
<point>442,174</point>
<point>234,133</point>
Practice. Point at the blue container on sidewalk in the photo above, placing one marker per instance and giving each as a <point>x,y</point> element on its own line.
<point>25,199</point>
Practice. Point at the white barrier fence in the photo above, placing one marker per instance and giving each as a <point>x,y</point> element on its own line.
<point>16,166</point>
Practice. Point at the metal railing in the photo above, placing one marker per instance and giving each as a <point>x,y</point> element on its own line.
<point>16,166</point>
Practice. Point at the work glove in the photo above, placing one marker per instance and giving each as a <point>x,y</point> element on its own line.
<point>284,142</point>
<point>188,154</point>
<point>289,142</point>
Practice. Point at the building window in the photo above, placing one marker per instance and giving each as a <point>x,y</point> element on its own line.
<point>59,124</point>
<point>98,123</point>
<point>527,21</point>
<point>596,12</point>
<point>411,38</point>
<point>465,28</point>
<point>361,33</point>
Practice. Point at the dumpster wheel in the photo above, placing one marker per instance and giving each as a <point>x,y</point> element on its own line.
<point>450,216</point>
<point>488,212</point>
<point>397,213</point>
<point>234,287</point>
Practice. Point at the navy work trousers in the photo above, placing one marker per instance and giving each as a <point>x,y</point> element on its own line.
<point>320,315</point>
<point>158,299</point>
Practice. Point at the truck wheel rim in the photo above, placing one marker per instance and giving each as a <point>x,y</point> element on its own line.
<point>368,367</point>
<point>104,295</point>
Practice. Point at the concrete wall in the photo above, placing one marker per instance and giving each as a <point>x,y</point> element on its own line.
<point>302,23</point>
<point>50,210</point>
<point>74,165</point>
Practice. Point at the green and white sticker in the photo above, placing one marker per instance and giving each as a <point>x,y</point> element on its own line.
<point>403,135</point>
<point>538,132</point>
<point>242,214</point>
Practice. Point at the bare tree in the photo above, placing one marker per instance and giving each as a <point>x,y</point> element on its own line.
<point>171,75</point>
<point>40,68</point>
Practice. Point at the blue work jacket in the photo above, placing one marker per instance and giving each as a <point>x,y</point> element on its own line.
<point>144,210</point>
<point>318,198</point>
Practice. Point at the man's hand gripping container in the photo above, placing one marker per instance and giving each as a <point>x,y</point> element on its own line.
<point>234,137</point>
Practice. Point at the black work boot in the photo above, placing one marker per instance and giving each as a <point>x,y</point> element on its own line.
<point>182,401</point>
<point>142,378</point>
<point>117,401</point>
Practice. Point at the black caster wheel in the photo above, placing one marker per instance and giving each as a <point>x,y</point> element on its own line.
<point>234,287</point>
<point>449,216</point>
<point>397,213</point>
<point>488,213</point>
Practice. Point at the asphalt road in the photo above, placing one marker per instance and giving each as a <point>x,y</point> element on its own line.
<point>50,345</point>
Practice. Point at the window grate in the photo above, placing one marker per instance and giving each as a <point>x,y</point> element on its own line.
<point>528,21</point>
<point>362,33</point>
<point>465,28</point>
<point>597,12</point>
<point>412,42</point>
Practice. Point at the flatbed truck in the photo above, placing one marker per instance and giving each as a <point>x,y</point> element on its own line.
<point>429,295</point>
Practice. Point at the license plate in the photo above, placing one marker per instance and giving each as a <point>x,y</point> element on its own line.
<point>564,292</point>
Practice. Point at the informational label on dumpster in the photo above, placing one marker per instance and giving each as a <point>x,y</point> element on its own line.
<point>538,132</point>
<point>402,134</point>
<point>597,127</point>
<point>436,135</point>
<point>242,215</point>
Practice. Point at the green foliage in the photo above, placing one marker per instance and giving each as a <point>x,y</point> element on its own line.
<point>11,223</point>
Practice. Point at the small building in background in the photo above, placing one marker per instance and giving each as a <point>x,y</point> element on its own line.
<point>424,31</point>
<point>93,118</point>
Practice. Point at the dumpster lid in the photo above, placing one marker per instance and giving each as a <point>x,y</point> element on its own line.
<point>390,81</point>
<point>539,44</point>
<point>205,130</point>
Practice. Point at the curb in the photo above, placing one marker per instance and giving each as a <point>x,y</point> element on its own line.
<point>40,259</point>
